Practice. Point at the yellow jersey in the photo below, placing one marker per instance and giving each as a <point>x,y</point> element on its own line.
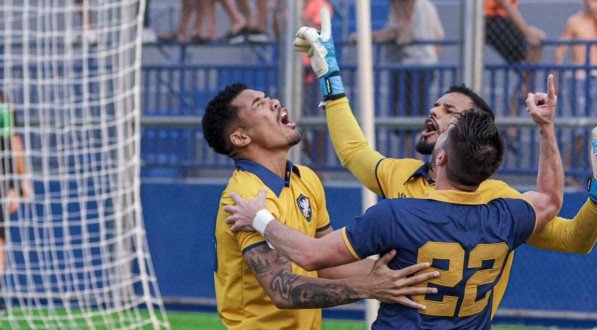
<point>299,202</point>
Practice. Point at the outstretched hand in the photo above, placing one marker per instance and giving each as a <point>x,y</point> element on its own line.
<point>542,106</point>
<point>319,46</point>
<point>394,286</point>
<point>244,211</point>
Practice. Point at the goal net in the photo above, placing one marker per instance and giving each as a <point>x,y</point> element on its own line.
<point>76,251</point>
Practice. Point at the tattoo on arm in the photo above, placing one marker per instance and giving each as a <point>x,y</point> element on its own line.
<point>274,271</point>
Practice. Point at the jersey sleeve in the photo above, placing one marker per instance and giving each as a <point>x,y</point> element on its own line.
<point>372,233</point>
<point>392,174</point>
<point>524,219</point>
<point>576,235</point>
<point>350,144</point>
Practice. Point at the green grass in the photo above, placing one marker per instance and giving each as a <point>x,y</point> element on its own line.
<point>178,321</point>
<point>188,321</point>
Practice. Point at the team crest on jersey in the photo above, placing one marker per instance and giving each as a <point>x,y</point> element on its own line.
<point>305,206</point>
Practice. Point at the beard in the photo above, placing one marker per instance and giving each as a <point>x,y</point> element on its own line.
<point>424,148</point>
<point>295,139</point>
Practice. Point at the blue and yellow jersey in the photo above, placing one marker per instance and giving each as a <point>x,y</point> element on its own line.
<point>299,202</point>
<point>393,178</point>
<point>463,238</point>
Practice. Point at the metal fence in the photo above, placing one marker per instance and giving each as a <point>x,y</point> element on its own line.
<point>174,97</point>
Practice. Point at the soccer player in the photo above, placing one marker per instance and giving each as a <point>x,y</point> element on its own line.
<point>257,287</point>
<point>392,178</point>
<point>466,240</point>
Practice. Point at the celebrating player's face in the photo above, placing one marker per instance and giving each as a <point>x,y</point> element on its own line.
<point>265,120</point>
<point>440,116</point>
<point>439,144</point>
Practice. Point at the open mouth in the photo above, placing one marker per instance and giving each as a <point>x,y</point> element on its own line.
<point>430,127</point>
<point>285,120</point>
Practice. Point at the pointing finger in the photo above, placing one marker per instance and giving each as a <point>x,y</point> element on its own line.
<point>326,23</point>
<point>551,89</point>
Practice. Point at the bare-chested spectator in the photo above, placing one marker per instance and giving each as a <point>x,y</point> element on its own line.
<point>581,26</point>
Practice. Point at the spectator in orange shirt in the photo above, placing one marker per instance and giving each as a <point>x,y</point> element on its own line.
<point>580,26</point>
<point>507,32</point>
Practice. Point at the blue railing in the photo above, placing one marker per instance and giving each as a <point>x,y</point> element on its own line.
<point>182,91</point>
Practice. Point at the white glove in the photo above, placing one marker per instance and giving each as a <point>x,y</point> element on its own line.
<point>320,48</point>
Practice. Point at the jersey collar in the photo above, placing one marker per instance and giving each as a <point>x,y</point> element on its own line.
<point>271,180</point>
<point>454,196</point>
<point>422,171</point>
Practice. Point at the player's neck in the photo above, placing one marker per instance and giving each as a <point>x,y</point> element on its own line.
<point>443,183</point>
<point>432,172</point>
<point>274,161</point>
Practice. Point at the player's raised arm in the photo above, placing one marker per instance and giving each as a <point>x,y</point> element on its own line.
<point>350,143</point>
<point>548,198</point>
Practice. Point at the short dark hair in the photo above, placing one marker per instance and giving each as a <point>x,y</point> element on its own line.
<point>474,147</point>
<point>478,102</point>
<point>219,117</point>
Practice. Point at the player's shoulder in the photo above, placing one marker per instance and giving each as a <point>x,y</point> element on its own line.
<point>517,208</point>
<point>491,189</point>
<point>305,171</point>
<point>307,175</point>
<point>244,183</point>
<point>243,179</point>
<point>399,205</point>
<point>404,165</point>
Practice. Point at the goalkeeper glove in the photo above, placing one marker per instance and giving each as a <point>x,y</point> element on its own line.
<point>592,183</point>
<point>320,48</point>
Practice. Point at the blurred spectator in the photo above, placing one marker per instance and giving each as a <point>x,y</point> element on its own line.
<point>311,18</point>
<point>148,35</point>
<point>580,26</point>
<point>205,26</point>
<point>516,42</point>
<point>510,35</point>
<point>189,7</point>
<point>238,23</point>
<point>313,146</point>
<point>257,19</point>
<point>410,21</point>
<point>87,22</point>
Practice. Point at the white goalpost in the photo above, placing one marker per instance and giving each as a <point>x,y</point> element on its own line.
<point>76,250</point>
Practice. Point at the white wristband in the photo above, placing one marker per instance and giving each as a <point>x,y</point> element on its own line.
<point>262,218</point>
